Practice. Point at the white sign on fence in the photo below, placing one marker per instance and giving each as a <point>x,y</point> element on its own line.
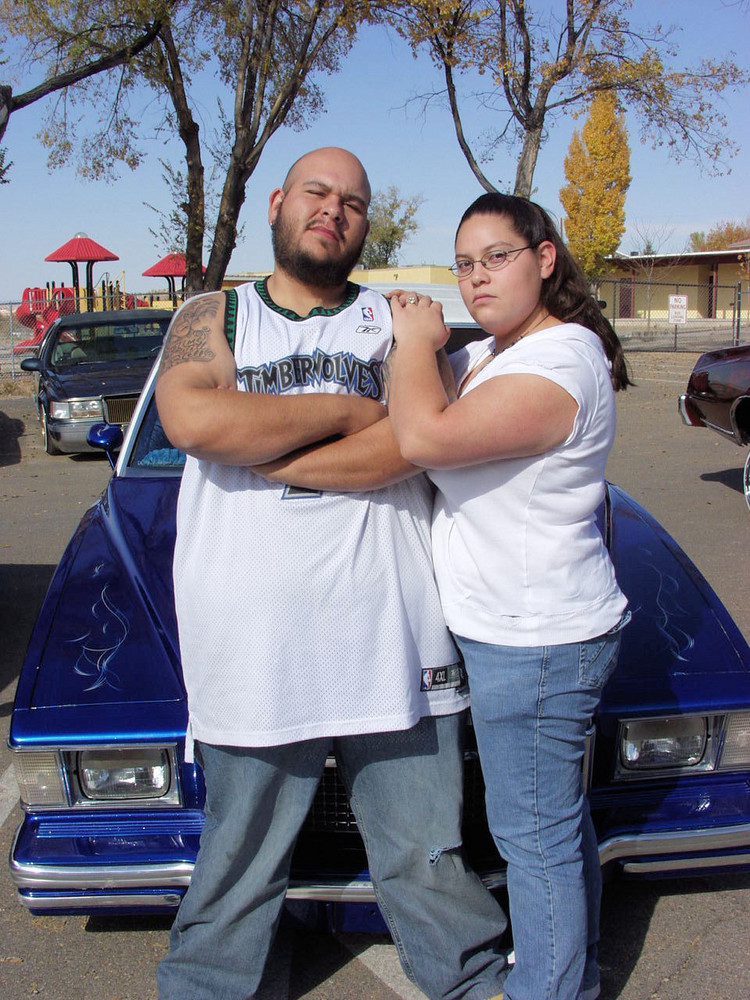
<point>678,308</point>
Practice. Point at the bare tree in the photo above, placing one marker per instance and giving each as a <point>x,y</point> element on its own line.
<point>90,45</point>
<point>651,239</point>
<point>264,54</point>
<point>546,59</point>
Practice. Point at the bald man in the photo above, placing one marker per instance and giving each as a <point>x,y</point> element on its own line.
<point>309,620</point>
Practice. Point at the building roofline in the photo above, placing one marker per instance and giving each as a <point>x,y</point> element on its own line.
<point>729,254</point>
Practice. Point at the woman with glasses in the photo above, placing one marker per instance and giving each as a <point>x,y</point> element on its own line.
<point>526,582</point>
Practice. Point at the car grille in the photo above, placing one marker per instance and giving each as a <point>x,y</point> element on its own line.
<point>119,409</point>
<point>330,809</point>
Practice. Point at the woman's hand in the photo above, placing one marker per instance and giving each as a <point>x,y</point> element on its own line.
<point>417,317</point>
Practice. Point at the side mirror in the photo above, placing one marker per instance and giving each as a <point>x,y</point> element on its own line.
<point>31,364</point>
<point>108,437</point>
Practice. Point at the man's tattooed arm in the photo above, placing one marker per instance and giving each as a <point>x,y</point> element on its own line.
<point>386,371</point>
<point>189,334</point>
<point>446,375</point>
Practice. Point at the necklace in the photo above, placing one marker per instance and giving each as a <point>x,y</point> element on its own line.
<point>494,351</point>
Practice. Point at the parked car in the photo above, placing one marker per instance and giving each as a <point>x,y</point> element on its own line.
<point>91,367</point>
<point>113,814</point>
<point>718,396</point>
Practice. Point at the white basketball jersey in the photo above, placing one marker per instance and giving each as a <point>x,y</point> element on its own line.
<point>306,614</point>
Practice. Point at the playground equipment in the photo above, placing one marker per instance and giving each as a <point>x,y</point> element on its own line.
<point>39,307</point>
<point>82,249</point>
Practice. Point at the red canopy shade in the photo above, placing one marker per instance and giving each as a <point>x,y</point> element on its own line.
<point>171,266</point>
<point>82,248</point>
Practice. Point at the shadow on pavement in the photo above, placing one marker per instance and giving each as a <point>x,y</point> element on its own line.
<point>22,589</point>
<point>11,430</point>
<point>728,477</point>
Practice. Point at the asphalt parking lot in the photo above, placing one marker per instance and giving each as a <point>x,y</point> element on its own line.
<point>661,940</point>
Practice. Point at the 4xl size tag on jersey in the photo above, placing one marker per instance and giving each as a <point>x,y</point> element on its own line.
<point>438,678</point>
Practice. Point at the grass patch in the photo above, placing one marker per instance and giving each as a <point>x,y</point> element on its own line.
<point>16,386</point>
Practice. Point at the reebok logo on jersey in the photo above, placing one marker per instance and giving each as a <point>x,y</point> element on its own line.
<point>367,329</point>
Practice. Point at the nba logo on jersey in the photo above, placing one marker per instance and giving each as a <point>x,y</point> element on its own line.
<point>368,314</point>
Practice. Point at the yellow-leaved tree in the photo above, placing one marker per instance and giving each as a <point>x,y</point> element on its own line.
<point>597,169</point>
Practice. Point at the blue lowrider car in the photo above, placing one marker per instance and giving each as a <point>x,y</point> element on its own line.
<point>113,814</point>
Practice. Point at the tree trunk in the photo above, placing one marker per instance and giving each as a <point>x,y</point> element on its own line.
<point>225,234</point>
<point>458,125</point>
<point>196,214</point>
<point>527,163</point>
<point>189,132</point>
<point>6,95</point>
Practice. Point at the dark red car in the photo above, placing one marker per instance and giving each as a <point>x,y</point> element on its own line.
<point>718,396</point>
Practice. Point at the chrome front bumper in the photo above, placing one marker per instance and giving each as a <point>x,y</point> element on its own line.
<point>86,888</point>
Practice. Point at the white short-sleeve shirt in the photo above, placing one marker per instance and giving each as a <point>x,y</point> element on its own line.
<point>518,555</point>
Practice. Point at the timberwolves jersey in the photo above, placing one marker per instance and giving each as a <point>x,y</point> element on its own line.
<point>307,614</point>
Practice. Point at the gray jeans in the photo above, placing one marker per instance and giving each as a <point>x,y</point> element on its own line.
<point>406,792</point>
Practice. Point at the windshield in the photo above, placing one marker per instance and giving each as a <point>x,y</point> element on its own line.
<point>152,449</point>
<point>108,342</point>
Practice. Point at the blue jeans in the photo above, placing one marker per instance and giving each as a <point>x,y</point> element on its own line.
<point>531,709</point>
<point>405,791</point>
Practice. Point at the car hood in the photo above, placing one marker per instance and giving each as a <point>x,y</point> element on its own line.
<point>103,655</point>
<point>103,659</point>
<point>100,379</point>
<point>681,645</point>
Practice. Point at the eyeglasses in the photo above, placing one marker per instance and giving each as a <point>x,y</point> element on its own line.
<point>492,261</point>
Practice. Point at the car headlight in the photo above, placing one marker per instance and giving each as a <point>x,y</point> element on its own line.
<point>647,744</point>
<point>97,777</point>
<point>77,409</point>
<point>124,774</point>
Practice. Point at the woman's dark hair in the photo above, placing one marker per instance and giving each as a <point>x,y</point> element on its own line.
<point>565,293</point>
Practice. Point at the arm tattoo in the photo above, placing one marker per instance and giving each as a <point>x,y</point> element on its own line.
<point>446,375</point>
<point>189,334</point>
<point>386,371</point>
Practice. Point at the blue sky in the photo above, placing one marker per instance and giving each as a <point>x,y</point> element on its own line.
<point>367,112</point>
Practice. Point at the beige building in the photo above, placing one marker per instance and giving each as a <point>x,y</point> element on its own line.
<point>699,299</point>
<point>408,275</point>
<point>411,274</point>
<point>715,283</point>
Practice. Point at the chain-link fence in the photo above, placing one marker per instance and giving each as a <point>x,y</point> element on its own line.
<point>658,316</point>
<point>22,324</point>
<point>647,315</point>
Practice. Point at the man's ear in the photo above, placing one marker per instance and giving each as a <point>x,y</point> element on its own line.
<point>274,203</point>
